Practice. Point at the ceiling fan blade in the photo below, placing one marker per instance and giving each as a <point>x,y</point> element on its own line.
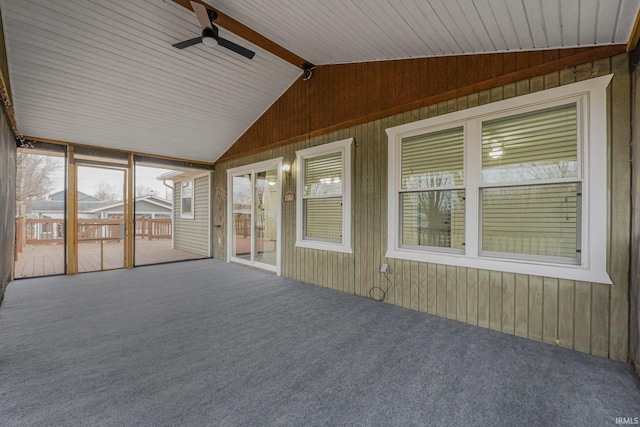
<point>201,13</point>
<point>187,43</point>
<point>236,48</point>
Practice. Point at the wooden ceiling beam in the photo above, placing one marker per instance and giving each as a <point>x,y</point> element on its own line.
<point>250,35</point>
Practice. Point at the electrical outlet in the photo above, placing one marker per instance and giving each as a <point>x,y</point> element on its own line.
<point>384,268</point>
<point>219,240</point>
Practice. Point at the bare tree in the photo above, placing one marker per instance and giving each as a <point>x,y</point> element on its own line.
<point>107,192</point>
<point>33,176</point>
<point>143,190</point>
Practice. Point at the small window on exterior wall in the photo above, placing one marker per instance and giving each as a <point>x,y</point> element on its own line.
<point>186,197</point>
<point>324,197</point>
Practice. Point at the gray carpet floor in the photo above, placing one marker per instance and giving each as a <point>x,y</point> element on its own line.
<point>208,343</point>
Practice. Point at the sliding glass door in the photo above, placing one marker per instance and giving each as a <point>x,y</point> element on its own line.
<point>254,215</point>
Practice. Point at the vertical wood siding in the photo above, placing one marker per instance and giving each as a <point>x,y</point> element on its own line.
<point>344,95</point>
<point>588,317</point>
<point>193,234</point>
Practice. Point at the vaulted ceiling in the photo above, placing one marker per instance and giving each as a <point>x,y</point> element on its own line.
<point>104,73</point>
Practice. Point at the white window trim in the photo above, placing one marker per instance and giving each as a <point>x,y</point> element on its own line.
<point>593,127</point>
<point>251,169</point>
<point>193,197</point>
<point>344,147</point>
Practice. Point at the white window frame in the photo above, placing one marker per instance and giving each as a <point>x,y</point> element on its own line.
<point>591,96</point>
<point>343,147</point>
<point>252,169</point>
<point>188,215</point>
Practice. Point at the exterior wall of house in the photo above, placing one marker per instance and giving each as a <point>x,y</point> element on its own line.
<point>8,205</point>
<point>588,317</point>
<point>192,234</point>
<point>141,206</point>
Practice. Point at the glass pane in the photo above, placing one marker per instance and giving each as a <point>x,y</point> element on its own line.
<point>323,219</point>
<point>186,196</point>
<point>433,160</point>
<point>323,176</point>
<point>433,218</point>
<point>242,216</point>
<point>266,224</point>
<point>538,145</point>
<point>535,220</point>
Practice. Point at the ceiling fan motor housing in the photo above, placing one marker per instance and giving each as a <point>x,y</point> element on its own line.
<point>210,36</point>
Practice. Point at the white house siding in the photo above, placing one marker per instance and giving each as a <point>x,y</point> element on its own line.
<point>143,207</point>
<point>193,234</point>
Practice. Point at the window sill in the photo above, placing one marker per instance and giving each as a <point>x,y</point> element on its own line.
<point>533,268</point>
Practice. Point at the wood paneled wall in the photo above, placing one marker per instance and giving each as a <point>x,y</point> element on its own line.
<point>344,95</point>
<point>588,317</point>
<point>634,329</point>
<point>8,204</point>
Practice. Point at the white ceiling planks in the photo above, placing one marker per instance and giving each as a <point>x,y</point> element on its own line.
<point>337,31</point>
<point>104,73</point>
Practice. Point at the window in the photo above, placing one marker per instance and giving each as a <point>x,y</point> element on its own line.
<point>515,186</point>
<point>432,190</point>
<point>530,192</point>
<point>186,197</point>
<point>324,197</point>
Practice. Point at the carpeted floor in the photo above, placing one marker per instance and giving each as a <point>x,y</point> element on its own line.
<point>208,343</point>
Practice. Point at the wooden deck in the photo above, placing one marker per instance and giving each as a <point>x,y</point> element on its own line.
<point>45,260</point>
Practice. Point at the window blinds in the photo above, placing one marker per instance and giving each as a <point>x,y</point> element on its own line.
<point>539,145</point>
<point>433,160</point>
<point>323,219</point>
<point>323,198</point>
<point>323,176</point>
<point>534,220</point>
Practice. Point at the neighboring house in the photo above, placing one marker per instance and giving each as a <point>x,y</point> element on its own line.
<point>59,196</point>
<point>89,207</point>
<point>145,207</point>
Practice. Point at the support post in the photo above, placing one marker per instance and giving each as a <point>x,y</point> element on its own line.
<point>72,213</point>
<point>129,219</point>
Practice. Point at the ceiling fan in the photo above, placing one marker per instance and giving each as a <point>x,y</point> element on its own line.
<point>210,35</point>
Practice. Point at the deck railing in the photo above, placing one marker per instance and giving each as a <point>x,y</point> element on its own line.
<point>41,231</point>
<point>153,228</point>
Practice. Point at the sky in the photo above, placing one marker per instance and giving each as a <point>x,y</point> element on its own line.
<point>90,178</point>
